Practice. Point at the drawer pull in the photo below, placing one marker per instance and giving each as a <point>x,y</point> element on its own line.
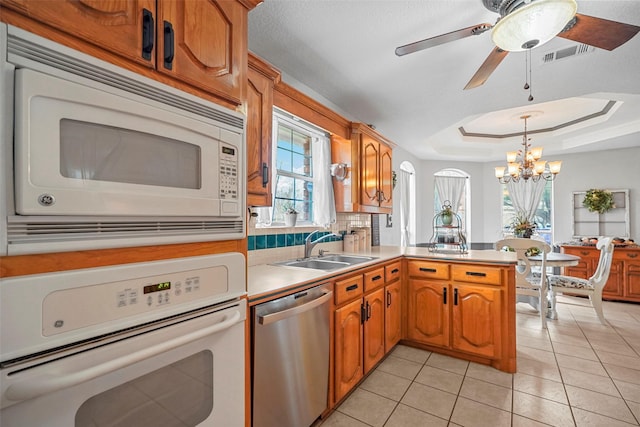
<point>374,278</point>
<point>632,255</point>
<point>584,253</point>
<point>428,270</point>
<point>476,274</point>
<point>394,271</point>
<point>352,287</point>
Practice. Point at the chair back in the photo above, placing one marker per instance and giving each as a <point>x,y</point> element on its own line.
<point>601,275</point>
<point>521,246</point>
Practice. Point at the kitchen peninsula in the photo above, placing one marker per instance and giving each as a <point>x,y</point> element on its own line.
<point>462,305</point>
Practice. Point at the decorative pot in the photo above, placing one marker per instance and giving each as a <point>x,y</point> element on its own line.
<point>290,219</point>
<point>447,218</point>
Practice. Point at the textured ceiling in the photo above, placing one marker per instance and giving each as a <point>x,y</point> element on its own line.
<point>344,51</point>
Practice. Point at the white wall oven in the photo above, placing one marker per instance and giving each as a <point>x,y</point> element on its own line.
<point>103,157</point>
<point>149,344</point>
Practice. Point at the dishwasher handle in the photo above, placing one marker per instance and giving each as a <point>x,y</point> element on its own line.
<point>285,314</point>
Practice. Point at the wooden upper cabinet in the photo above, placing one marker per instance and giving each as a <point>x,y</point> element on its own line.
<point>369,185</point>
<point>261,79</point>
<point>370,172</point>
<point>386,177</point>
<point>114,25</point>
<point>203,43</point>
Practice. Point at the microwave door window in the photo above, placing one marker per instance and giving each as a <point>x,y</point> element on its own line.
<point>96,152</point>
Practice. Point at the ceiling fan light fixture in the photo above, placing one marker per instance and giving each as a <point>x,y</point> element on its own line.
<point>533,24</point>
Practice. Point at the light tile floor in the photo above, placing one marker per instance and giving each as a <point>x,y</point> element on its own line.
<point>578,372</point>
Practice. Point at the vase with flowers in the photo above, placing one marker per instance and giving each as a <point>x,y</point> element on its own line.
<point>522,226</point>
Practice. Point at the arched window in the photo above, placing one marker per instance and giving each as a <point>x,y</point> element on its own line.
<point>453,185</point>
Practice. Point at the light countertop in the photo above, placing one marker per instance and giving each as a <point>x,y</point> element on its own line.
<point>266,280</point>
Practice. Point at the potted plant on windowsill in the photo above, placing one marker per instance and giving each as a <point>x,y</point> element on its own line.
<point>290,217</point>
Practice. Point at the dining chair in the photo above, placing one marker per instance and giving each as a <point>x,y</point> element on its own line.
<point>530,287</point>
<point>591,287</point>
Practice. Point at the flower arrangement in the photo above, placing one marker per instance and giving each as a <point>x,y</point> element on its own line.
<point>521,226</point>
<point>599,201</point>
<point>290,211</point>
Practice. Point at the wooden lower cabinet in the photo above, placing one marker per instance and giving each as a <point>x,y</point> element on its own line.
<point>367,323</point>
<point>374,349</point>
<point>348,348</point>
<point>393,315</point>
<point>428,313</point>
<point>462,309</point>
<point>460,317</point>
<point>476,320</point>
<point>624,278</point>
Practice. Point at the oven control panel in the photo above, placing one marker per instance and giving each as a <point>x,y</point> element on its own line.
<point>66,307</point>
<point>70,309</point>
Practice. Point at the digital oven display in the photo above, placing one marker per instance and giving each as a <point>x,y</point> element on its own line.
<point>158,287</point>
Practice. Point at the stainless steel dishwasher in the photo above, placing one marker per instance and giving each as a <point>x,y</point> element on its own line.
<point>291,359</point>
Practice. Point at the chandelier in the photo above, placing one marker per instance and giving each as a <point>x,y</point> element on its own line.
<point>525,164</point>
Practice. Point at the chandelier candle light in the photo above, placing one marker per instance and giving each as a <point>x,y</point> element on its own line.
<point>526,164</point>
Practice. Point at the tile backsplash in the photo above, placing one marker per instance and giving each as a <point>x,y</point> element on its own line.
<point>270,244</point>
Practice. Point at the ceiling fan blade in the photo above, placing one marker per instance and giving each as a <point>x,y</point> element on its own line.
<point>488,66</point>
<point>598,32</point>
<point>443,38</point>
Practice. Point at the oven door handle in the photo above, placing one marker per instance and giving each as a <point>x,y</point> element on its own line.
<point>48,383</point>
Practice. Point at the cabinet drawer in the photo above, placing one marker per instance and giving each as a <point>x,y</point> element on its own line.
<point>373,279</point>
<point>348,289</point>
<point>392,272</point>
<point>433,270</point>
<point>477,274</point>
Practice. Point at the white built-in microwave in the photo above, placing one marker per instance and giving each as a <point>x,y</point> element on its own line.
<point>103,157</point>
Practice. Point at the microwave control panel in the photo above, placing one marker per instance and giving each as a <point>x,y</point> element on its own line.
<point>228,172</point>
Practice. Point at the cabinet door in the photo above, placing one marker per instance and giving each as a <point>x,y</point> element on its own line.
<point>392,315</point>
<point>386,177</point>
<point>428,312</point>
<point>369,174</point>
<point>374,329</point>
<point>348,348</point>
<point>614,286</point>
<point>114,25</point>
<point>259,126</point>
<point>476,320</point>
<point>632,274</point>
<point>202,43</point>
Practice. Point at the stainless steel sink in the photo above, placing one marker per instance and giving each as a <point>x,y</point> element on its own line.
<point>349,259</point>
<point>327,262</point>
<point>314,263</point>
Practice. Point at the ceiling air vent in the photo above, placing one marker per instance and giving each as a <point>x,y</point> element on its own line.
<point>567,52</point>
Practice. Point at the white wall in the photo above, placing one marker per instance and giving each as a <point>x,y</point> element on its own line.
<point>612,169</point>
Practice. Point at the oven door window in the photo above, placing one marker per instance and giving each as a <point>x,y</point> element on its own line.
<point>179,395</point>
<point>97,152</point>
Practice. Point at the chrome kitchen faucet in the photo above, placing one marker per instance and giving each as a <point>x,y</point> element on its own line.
<point>309,244</point>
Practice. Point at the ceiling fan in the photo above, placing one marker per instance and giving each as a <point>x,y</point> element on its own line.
<point>526,24</point>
